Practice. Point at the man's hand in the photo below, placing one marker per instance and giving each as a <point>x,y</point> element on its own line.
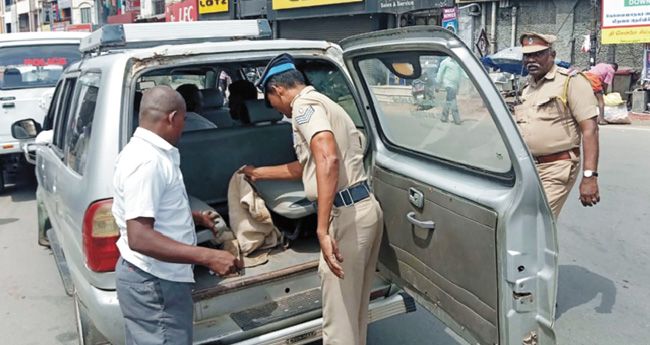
<point>589,195</point>
<point>331,254</point>
<point>207,220</point>
<point>222,262</point>
<point>248,171</point>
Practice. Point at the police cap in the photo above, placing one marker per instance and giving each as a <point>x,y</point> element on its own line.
<point>533,42</point>
<point>281,63</point>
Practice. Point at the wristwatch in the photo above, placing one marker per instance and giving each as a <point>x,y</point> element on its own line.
<point>589,173</point>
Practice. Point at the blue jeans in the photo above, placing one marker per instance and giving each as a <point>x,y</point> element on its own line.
<point>156,311</point>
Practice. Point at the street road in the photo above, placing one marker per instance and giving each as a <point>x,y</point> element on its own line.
<point>603,295</point>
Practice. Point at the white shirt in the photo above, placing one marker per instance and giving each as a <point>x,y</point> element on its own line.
<point>148,183</point>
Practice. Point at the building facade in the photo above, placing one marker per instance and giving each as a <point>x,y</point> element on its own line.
<point>570,20</point>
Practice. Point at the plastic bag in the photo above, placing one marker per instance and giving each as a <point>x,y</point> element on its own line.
<point>617,114</point>
<point>613,99</point>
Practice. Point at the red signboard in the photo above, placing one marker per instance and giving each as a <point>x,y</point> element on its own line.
<point>80,27</point>
<point>186,11</point>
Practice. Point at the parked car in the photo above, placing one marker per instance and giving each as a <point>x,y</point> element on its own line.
<point>30,66</point>
<point>467,229</point>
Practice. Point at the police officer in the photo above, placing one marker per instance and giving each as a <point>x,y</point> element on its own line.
<point>330,161</point>
<point>558,110</point>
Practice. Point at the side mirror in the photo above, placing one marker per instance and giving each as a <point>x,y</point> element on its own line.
<point>25,129</point>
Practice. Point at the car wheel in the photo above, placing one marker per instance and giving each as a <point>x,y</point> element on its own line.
<point>2,179</point>
<point>88,334</point>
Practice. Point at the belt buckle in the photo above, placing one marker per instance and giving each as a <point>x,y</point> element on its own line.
<point>343,199</point>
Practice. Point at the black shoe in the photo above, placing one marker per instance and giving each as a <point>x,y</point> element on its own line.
<point>443,119</point>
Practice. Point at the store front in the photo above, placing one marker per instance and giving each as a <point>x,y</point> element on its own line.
<point>333,20</point>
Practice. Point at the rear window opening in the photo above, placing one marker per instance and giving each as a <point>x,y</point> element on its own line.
<point>23,67</point>
<point>231,127</point>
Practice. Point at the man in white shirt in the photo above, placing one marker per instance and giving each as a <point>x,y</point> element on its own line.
<point>157,238</point>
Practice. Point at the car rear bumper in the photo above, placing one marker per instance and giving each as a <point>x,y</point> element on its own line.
<point>104,311</point>
<point>310,331</point>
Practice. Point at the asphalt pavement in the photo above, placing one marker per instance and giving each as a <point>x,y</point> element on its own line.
<point>603,294</point>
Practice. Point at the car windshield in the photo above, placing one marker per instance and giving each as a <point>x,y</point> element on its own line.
<point>24,67</point>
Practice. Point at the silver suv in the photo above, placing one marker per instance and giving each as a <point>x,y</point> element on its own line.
<point>467,229</point>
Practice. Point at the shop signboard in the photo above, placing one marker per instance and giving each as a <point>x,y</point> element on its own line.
<point>64,3</point>
<point>450,19</point>
<point>46,12</point>
<point>55,12</point>
<point>79,28</point>
<point>403,6</point>
<point>185,11</point>
<point>58,26</point>
<point>288,4</point>
<point>213,6</point>
<point>132,6</point>
<point>625,21</point>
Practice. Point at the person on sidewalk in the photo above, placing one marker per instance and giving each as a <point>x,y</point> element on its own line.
<point>448,78</point>
<point>558,110</point>
<point>601,76</point>
<point>157,240</point>
<point>350,221</point>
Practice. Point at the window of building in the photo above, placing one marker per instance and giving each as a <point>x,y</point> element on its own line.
<point>159,6</point>
<point>86,16</point>
<point>80,124</point>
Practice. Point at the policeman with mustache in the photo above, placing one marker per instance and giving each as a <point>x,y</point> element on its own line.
<point>558,114</point>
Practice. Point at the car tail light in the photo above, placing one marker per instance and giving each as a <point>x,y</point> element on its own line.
<point>100,234</point>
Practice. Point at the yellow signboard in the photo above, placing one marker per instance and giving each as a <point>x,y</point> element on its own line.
<point>286,4</point>
<point>626,35</point>
<point>213,6</point>
<point>625,21</point>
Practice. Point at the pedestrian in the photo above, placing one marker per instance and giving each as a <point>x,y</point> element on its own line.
<point>601,76</point>
<point>448,77</point>
<point>558,110</point>
<point>330,161</point>
<point>157,241</point>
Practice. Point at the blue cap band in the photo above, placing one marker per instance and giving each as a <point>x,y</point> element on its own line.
<point>276,70</point>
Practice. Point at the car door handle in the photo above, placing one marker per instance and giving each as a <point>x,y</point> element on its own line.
<point>9,105</point>
<point>424,224</point>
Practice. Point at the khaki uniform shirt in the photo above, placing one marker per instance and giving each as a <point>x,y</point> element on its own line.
<point>312,113</point>
<point>545,123</point>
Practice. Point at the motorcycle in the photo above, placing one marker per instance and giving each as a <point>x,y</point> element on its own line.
<point>422,91</point>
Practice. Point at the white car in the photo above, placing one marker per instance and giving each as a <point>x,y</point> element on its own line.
<point>30,67</point>
<point>467,229</point>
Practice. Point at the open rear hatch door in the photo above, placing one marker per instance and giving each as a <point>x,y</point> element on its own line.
<point>468,231</point>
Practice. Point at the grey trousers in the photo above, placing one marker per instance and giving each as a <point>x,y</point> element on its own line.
<point>156,311</point>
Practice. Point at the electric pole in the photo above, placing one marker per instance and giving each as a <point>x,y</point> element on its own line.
<point>594,32</point>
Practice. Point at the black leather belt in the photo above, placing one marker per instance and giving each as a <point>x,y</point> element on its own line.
<point>352,195</point>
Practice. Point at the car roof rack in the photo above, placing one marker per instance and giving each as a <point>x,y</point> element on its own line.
<point>147,35</point>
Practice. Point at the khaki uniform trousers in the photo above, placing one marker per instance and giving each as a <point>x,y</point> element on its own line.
<point>357,230</point>
<point>558,178</point>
